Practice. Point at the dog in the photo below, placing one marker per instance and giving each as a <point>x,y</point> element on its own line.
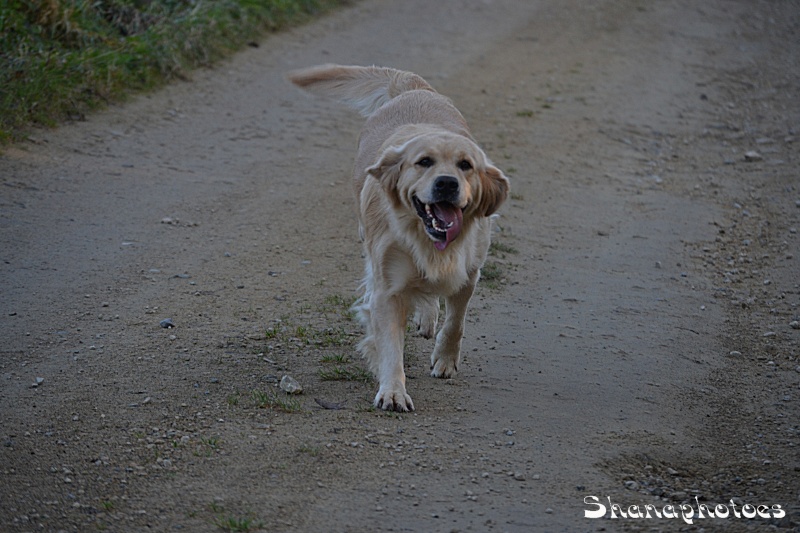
<point>425,193</point>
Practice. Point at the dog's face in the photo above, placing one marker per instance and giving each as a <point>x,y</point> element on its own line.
<point>443,179</point>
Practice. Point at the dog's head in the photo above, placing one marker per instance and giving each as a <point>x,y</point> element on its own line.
<point>443,178</point>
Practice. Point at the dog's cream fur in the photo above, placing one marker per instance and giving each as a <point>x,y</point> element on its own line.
<point>414,148</point>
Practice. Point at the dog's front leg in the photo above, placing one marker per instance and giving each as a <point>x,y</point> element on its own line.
<point>447,352</point>
<point>388,320</point>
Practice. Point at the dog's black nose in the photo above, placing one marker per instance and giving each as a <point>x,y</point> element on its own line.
<point>445,186</point>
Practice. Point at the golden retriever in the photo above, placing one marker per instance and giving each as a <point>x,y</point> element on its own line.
<point>425,192</point>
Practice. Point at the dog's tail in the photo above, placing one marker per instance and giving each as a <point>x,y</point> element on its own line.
<point>364,88</point>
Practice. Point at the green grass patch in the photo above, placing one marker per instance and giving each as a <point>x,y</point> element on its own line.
<point>62,58</point>
<point>269,400</point>
<point>313,451</point>
<point>345,373</point>
<point>237,524</point>
<point>302,335</point>
<point>499,249</point>
<point>234,524</point>
<point>206,447</point>
<point>335,358</point>
<point>491,275</point>
<point>233,399</point>
<point>339,305</point>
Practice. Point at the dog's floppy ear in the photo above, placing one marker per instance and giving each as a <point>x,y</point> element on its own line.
<point>494,189</point>
<point>387,169</point>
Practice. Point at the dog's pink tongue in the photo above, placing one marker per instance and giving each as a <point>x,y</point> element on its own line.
<point>452,217</point>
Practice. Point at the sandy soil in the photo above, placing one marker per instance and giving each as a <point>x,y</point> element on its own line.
<point>632,338</point>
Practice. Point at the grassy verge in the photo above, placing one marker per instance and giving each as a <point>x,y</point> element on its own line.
<point>62,58</point>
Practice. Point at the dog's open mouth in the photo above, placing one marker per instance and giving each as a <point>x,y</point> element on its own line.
<point>442,221</point>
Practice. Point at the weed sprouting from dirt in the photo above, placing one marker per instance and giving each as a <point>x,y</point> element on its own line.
<point>270,400</point>
<point>234,524</point>
<point>491,275</point>
<point>206,447</point>
<point>499,248</point>
<point>335,358</point>
<point>346,373</point>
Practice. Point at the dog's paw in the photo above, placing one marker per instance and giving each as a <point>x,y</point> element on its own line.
<point>396,399</point>
<point>443,367</point>
<point>426,330</point>
<point>426,322</point>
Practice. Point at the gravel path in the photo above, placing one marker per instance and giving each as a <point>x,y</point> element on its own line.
<point>634,338</point>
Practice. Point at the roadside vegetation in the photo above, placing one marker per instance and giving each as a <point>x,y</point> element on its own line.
<point>62,58</point>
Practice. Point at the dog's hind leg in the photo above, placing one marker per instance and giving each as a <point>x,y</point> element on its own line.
<point>447,352</point>
<point>426,315</point>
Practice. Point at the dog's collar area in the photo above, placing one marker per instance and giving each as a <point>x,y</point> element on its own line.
<point>442,221</point>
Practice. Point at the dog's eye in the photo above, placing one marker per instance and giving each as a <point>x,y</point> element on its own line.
<point>425,162</point>
<point>464,165</point>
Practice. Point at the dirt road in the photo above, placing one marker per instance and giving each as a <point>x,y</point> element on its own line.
<point>634,337</point>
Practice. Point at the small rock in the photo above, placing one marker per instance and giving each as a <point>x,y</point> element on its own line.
<point>734,353</point>
<point>794,324</point>
<point>752,156</point>
<point>37,382</point>
<point>330,405</point>
<point>167,323</point>
<point>290,385</point>
<point>631,485</point>
<point>519,476</point>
